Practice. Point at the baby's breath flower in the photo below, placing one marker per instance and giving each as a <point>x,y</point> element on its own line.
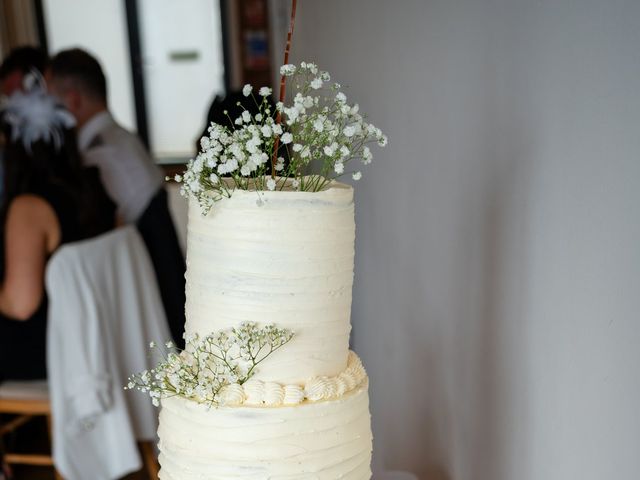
<point>152,344</point>
<point>292,115</point>
<point>199,372</point>
<point>329,150</point>
<point>339,168</point>
<point>264,91</point>
<point>266,130</point>
<point>287,70</point>
<point>246,90</point>
<point>318,124</point>
<point>356,175</point>
<point>316,83</point>
<point>286,138</point>
<point>271,184</point>
<point>366,155</point>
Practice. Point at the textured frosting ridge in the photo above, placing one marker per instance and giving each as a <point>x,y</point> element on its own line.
<point>320,441</point>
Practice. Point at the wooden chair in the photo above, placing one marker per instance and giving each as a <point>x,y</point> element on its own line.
<point>25,400</point>
<point>29,399</point>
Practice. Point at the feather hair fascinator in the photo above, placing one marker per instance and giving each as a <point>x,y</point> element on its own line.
<point>34,115</point>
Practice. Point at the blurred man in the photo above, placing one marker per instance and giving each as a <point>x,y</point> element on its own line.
<point>129,174</point>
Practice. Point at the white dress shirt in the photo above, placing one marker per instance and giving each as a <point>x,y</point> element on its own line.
<point>130,176</point>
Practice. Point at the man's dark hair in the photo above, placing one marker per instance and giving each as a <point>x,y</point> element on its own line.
<point>24,59</point>
<point>82,68</point>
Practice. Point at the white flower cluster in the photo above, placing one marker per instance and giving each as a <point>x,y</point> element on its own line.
<point>319,128</point>
<point>210,366</point>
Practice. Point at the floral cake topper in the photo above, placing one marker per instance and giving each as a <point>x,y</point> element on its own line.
<point>304,144</point>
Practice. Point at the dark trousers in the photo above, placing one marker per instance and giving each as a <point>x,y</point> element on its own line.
<point>159,234</point>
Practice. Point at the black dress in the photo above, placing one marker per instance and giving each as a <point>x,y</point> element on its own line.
<point>23,343</point>
<point>159,235</point>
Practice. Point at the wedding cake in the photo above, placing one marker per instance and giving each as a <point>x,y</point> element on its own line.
<point>304,414</point>
<point>266,387</point>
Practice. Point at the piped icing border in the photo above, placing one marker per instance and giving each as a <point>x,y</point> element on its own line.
<point>272,394</point>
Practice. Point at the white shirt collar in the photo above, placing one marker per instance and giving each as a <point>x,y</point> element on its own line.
<point>93,127</point>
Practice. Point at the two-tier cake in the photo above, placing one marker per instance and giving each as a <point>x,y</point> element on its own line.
<point>305,412</point>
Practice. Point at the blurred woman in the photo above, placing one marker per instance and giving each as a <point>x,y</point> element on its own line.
<point>49,200</point>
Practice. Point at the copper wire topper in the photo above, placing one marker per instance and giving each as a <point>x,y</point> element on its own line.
<point>283,86</point>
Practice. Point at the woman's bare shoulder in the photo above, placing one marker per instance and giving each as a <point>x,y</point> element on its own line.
<point>30,214</point>
<point>29,203</point>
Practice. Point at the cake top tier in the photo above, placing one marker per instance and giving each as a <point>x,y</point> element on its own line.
<point>281,257</point>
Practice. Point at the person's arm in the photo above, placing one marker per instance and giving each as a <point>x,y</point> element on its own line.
<point>31,233</point>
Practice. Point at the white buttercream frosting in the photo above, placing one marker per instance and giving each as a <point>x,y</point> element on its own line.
<point>322,388</point>
<point>254,392</point>
<point>318,388</point>
<point>293,395</point>
<point>287,262</point>
<point>232,394</point>
<point>321,441</point>
<point>272,394</point>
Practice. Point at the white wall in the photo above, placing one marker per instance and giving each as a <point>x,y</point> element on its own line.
<point>497,298</point>
<point>98,26</point>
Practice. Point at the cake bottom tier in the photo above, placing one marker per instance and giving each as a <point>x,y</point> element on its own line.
<point>312,441</point>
